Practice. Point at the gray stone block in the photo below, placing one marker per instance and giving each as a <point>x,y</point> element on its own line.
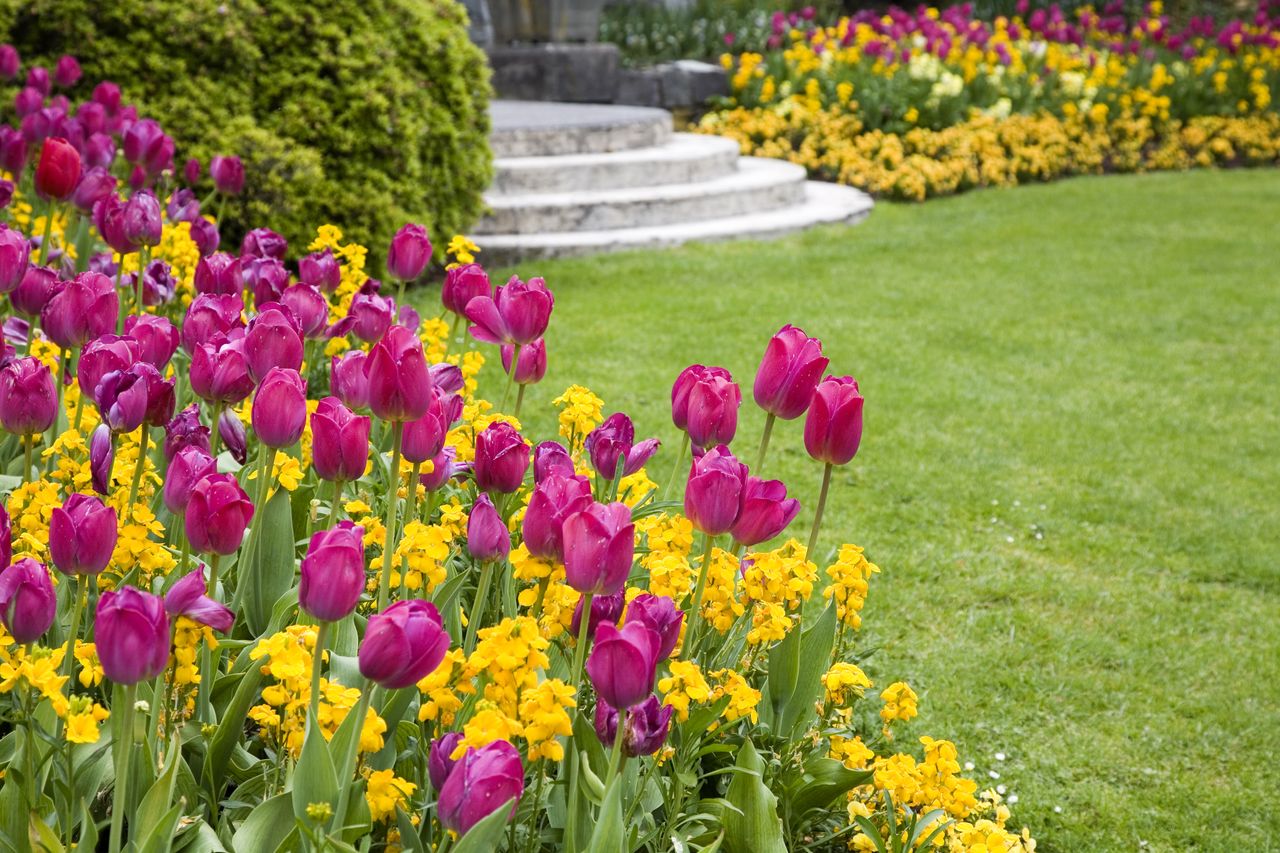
<point>706,81</point>
<point>641,88</point>
<point>574,73</point>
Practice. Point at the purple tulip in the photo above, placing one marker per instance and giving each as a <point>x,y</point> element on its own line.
<point>27,101</point>
<point>209,316</point>
<point>191,171</point>
<point>14,332</point>
<point>234,438</point>
<point>265,278</point>
<point>189,597</point>
<point>661,614</point>
<point>128,398</point>
<point>217,515</point>
<point>403,644</point>
<point>99,151</point>
<point>146,146</point>
<point>440,763</point>
<point>28,400</point>
<point>424,437</point>
<point>320,270</point>
<point>107,94</point>
<point>219,274</point>
<point>10,62</point>
<point>27,601</point>
<point>623,662</point>
<point>407,316</point>
<point>339,441</point>
<point>13,150</point>
<point>833,429</point>
<point>100,356</point>
<point>280,408</point>
<point>7,189</point>
<point>206,237</point>
<point>82,535</point>
<point>333,572</point>
<point>157,338</point>
<point>518,313</point>
<point>549,458</point>
<point>263,243</point>
<point>95,185</point>
<point>409,252</point>
<point>185,430</point>
<point>371,315</point>
<point>714,495</point>
<point>309,308</point>
<point>6,537</point>
<point>447,377</point>
<point>766,511</point>
<point>502,458</point>
<point>102,454</point>
<point>132,634</point>
<point>487,536</point>
<point>84,308</point>
<point>398,381</point>
<point>646,730</point>
<point>108,217</point>
<point>142,220</point>
<point>183,206</point>
<point>714,401</point>
<point>599,545</point>
<point>604,609</point>
<point>67,72</point>
<point>220,371</point>
<point>38,79</point>
<point>188,466</point>
<point>158,285</point>
<point>684,384</point>
<point>613,442</point>
<point>480,783</point>
<point>348,380</point>
<point>272,341</point>
<point>555,497</point>
<point>444,467</point>
<point>462,284</point>
<point>227,174</point>
<point>532,365</point>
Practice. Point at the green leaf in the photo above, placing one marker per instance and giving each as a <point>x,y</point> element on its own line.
<point>230,727</point>
<point>270,571</point>
<point>156,802</point>
<point>784,669</point>
<point>314,779</point>
<point>409,839</point>
<point>267,826</point>
<point>820,783</point>
<point>486,835</point>
<point>199,838</point>
<point>43,835</point>
<point>609,832</point>
<point>755,826</point>
<point>160,838</point>
<point>815,659</point>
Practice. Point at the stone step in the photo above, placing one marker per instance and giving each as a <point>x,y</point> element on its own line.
<point>822,203</point>
<point>684,158</point>
<point>548,129</point>
<point>757,185</point>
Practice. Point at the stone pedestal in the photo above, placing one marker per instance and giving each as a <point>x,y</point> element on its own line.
<point>546,20</point>
<point>576,73</point>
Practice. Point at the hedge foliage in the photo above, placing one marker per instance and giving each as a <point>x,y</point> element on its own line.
<point>363,113</point>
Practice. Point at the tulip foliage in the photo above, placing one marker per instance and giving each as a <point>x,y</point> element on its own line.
<point>277,576</point>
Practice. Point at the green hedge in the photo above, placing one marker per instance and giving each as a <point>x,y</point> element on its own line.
<point>363,113</point>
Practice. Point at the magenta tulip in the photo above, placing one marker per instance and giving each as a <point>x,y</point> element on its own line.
<point>348,380</point>
<point>647,726</point>
<point>234,438</point>
<point>265,278</point>
<point>599,546</point>
<point>399,384</point>
<point>273,340</point>
<point>612,447</point>
<point>95,185</point>
<point>131,631</point>
<point>440,762</point>
<point>104,355</point>
<point>532,365</point>
<point>371,315</point>
<point>84,308</point>
<point>623,662</point>
<point>189,597</point>
<point>6,537</point>
<point>263,243</point>
<point>220,371</point>
<point>209,316</point>
<point>833,429</point>
<point>789,372</point>
<point>157,338</point>
<point>82,535</point>
<point>604,608</point>
<point>102,455</point>
<point>218,514</point>
<point>409,252</point>
<point>58,170</point>
<point>309,308</point>
<point>684,385</point>
<point>227,174</point>
<point>339,441</point>
<point>713,410</point>
<point>320,270</point>
<point>556,497</point>
<point>185,430</point>
<point>447,377</point>
<point>766,511</point>
<point>189,465</point>
<point>191,171</point>
<point>10,64</point>
<point>15,256</point>
<point>280,408</point>
<point>424,437</point>
<point>403,644</point>
<point>28,399</point>
<point>206,236</point>
<point>67,72</point>
<point>502,458</point>
<point>219,274</point>
<point>444,467</point>
<point>462,284</point>
<point>517,313</point>
<point>27,601</point>
<point>661,614</point>
<point>549,458</point>
<point>333,572</point>
<point>481,782</point>
<point>487,536</point>
<point>36,289</point>
<point>714,494</point>
<point>143,225</point>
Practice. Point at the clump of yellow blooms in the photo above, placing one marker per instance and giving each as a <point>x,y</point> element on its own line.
<point>440,699</point>
<point>776,583</point>
<point>581,411</point>
<point>544,717</point>
<point>849,575</point>
<point>743,698</point>
<point>899,704</point>
<point>385,793</point>
<point>685,686</point>
<point>721,605</point>
<point>843,682</point>
<point>510,654</point>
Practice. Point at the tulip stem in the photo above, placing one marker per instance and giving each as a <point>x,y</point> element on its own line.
<point>764,442</point>
<point>695,618</point>
<point>317,660</point>
<point>409,514</point>
<point>77,609</point>
<point>28,444</point>
<point>119,298</point>
<point>393,508</point>
<point>124,748</point>
<point>580,653</point>
<point>519,400</point>
<point>48,233</point>
<point>817,514</point>
<point>347,766</point>
<point>684,448</point>
<point>477,608</point>
<point>511,376</point>
<point>215,439</point>
<point>137,472</point>
<point>616,759</point>
<point>143,253</point>
<point>63,361</point>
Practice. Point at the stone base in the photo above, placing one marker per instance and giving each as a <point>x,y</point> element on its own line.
<point>571,73</point>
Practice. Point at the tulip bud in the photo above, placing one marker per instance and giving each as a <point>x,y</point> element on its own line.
<point>280,408</point>
<point>220,371</point>
<point>480,783</point>
<point>447,377</point>
<point>109,218</point>
<point>403,644</point>
<point>487,536</point>
<point>549,458</point>
<point>13,150</point>
<point>766,511</point>
<point>7,189</point>
<point>599,546</point>
<point>157,338</point>
<point>348,380</point>
<point>833,429</point>
<point>234,439</point>
<point>205,235</point>
<point>217,515</point>
<point>219,274</point>
<point>339,441</point>
<point>101,356</point>
<point>128,398</point>
<point>82,535</point>
<point>333,572</point>
<point>10,62</point>
<point>27,102</point>
<point>6,537</point>
<point>604,609</point>
<point>684,384</point>
<point>185,430</point>
<point>95,185</point>
<point>646,729</point>
<point>131,631</point>
<point>263,243</point>
<point>309,309</point>
<point>714,494</point>
<point>102,454</point>
<point>398,381</point>
<point>28,400</point>
<point>227,174</point>
<point>58,171</point>
<point>38,79</point>
<point>210,316</point>
<point>142,219</point>
<point>320,270</point>
<point>191,171</point>
<point>462,284</point>
<point>440,763</point>
<point>424,436</point>
<point>409,252</point>
<point>713,410</point>
<point>67,72</point>
<point>189,465</point>
<point>444,467</point>
<point>371,315</point>
<point>15,254</point>
<point>27,601</point>
<point>502,458</point>
<point>518,313</point>
<point>82,309</point>
<point>272,341</point>
<point>623,663</point>
<point>189,597</point>
<point>613,442</point>
<point>99,151</point>
<point>532,365</point>
<point>661,614</point>
<point>556,497</point>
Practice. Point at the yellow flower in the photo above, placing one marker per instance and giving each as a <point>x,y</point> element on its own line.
<point>580,412</point>
<point>488,724</point>
<point>842,681</point>
<point>849,584</point>
<point>683,687</point>
<point>899,704</point>
<point>743,698</point>
<point>851,751</point>
<point>386,792</point>
<point>543,716</point>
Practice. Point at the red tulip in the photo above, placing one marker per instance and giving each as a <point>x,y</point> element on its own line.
<point>58,171</point>
<point>833,429</point>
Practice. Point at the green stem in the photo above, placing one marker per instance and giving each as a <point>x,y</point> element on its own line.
<point>409,514</point>
<point>124,749</point>
<point>63,359</point>
<point>77,610</point>
<point>143,254</point>
<point>511,377</point>
<point>764,443</point>
<point>137,471</point>
<point>580,653</point>
<point>817,514</point>
<point>348,765</point>
<point>393,508</point>
<point>204,690</point>
<point>535,813</point>
<point>215,437</point>
<point>695,617</point>
<point>519,401</point>
<point>119,297</point>
<point>28,444</point>
<point>675,471</point>
<point>48,233</point>
<point>616,759</point>
<point>477,608</point>
<point>317,661</point>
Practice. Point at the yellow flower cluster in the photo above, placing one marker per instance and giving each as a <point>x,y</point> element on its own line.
<point>743,698</point>
<point>850,574</point>
<point>581,411</point>
<point>385,793</point>
<point>441,701</point>
<point>851,751</point>
<point>351,258</point>
<point>39,670</point>
<point>899,704</point>
<point>683,687</point>
<point>776,584</point>
<point>843,682</point>
<point>544,717</point>
<point>421,552</point>
<point>462,249</point>
<point>721,605</point>
<point>509,655</point>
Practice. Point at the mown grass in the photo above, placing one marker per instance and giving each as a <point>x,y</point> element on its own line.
<point>1069,474</point>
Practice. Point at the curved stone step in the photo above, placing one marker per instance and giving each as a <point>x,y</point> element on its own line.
<point>684,158</point>
<point>822,203</point>
<point>548,129</point>
<point>758,184</point>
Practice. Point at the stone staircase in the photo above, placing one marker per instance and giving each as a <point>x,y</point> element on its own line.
<point>574,179</point>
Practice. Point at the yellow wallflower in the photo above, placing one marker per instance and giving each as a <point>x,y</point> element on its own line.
<point>544,718</point>
<point>684,687</point>
<point>385,792</point>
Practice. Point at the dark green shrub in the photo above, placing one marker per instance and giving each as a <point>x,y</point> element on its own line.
<point>363,113</point>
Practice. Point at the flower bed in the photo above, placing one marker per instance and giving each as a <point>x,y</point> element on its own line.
<point>912,105</point>
<point>308,587</point>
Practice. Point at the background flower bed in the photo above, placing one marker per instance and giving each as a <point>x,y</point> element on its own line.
<point>934,101</point>
<point>364,114</point>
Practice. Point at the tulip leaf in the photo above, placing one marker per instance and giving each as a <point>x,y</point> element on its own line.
<point>156,802</point>
<point>784,669</point>
<point>815,659</point>
<point>752,825</point>
<point>160,838</point>
<point>270,570</point>
<point>610,831</point>
<point>409,838</point>
<point>314,778</point>
<point>818,785</point>
<point>230,728</point>
<point>486,835</point>
<point>267,826</point>
<point>392,714</point>
<point>43,834</point>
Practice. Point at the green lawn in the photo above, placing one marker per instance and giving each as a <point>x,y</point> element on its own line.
<point>1069,474</point>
